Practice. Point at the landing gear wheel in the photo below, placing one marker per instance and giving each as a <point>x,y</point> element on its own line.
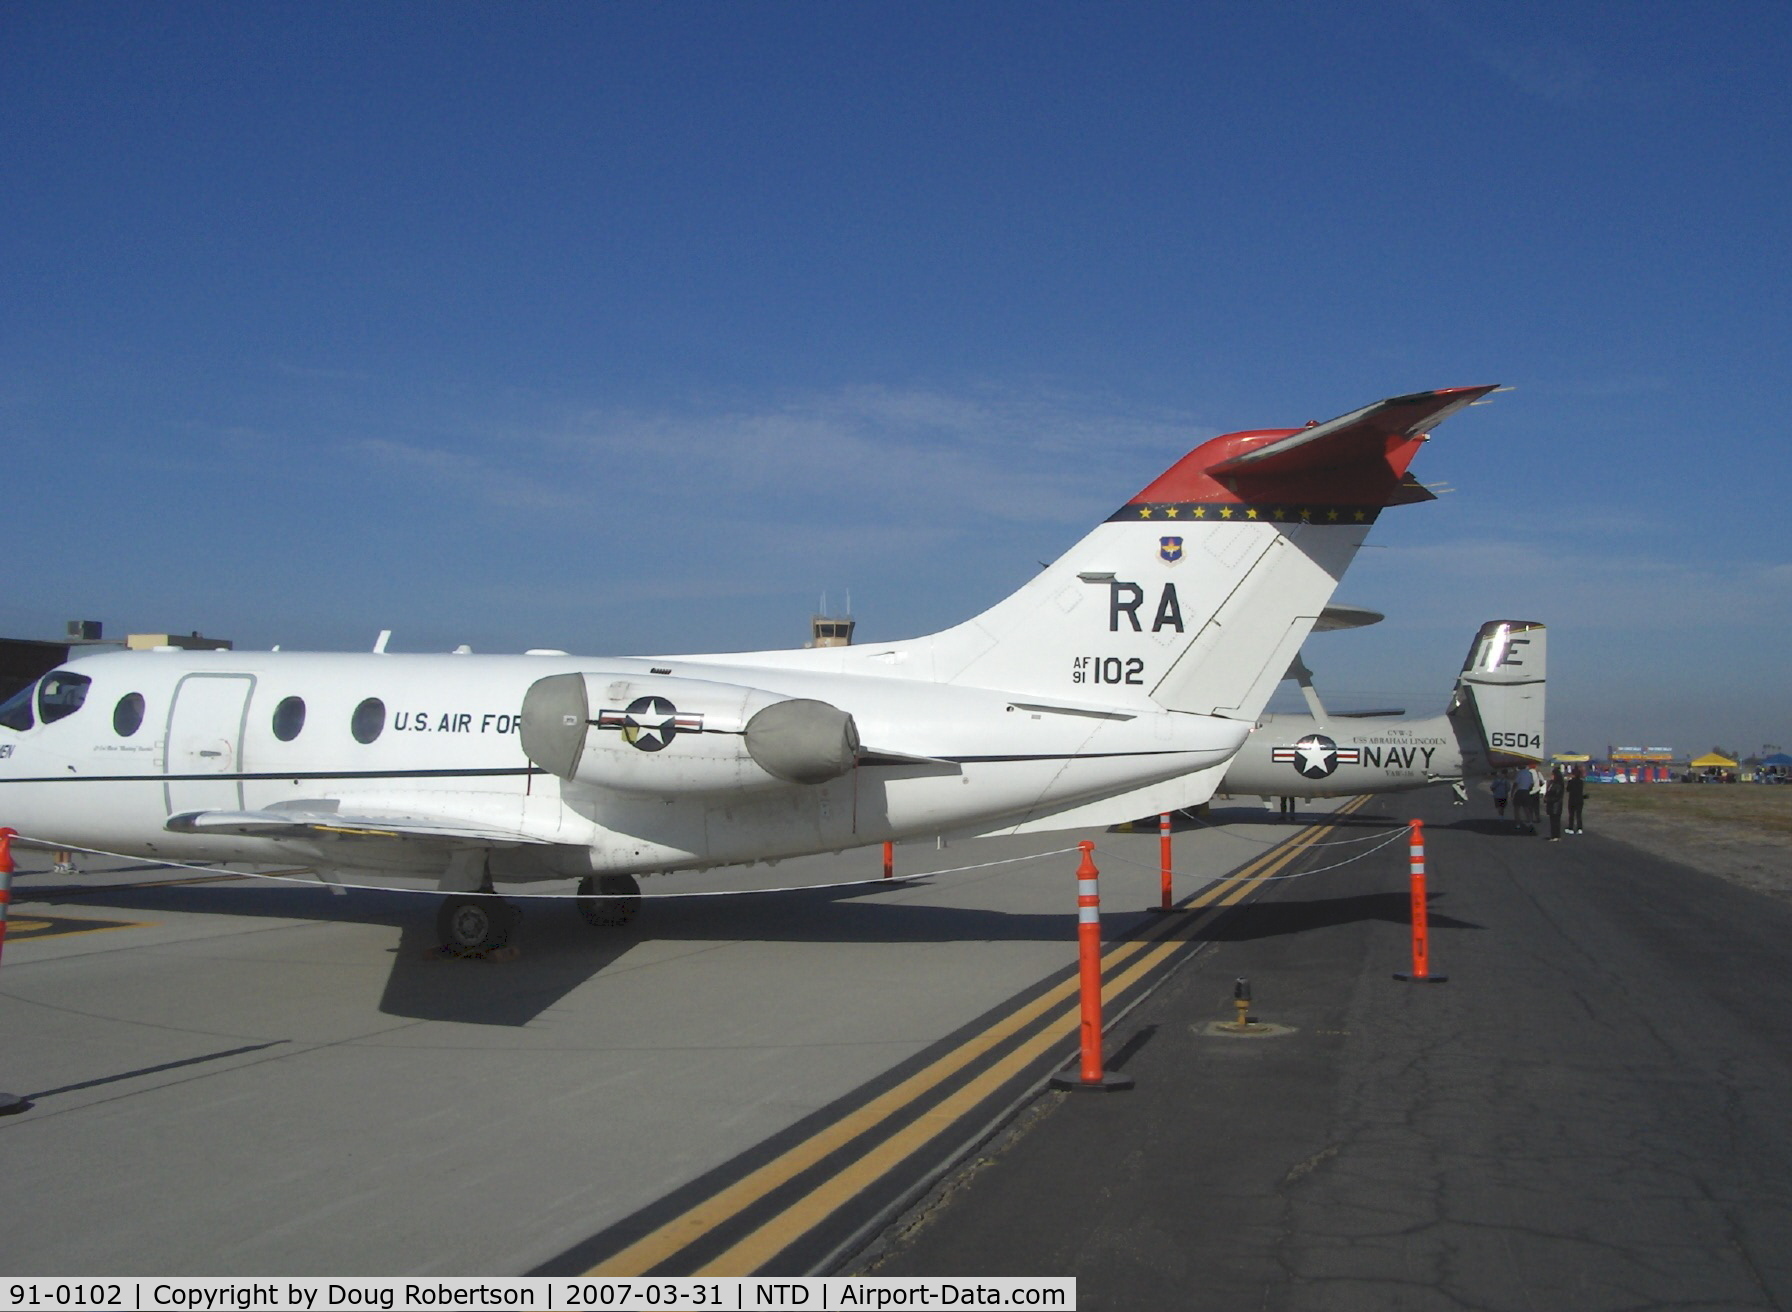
<point>475,922</point>
<point>614,910</point>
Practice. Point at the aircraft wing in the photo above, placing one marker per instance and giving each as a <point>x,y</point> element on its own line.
<point>323,819</point>
<point>1362,435</point>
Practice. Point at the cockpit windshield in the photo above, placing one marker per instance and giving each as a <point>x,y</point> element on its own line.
<point>60,694</point>
<point>15,711</point>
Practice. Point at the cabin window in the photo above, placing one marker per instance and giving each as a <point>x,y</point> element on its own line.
<point>369,720</point>
<point>61,694</point>
<point>15,712</point>
<point>127,716</point>
<point>289,718</point>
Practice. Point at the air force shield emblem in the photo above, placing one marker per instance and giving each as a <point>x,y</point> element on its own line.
<point>1169,550</point>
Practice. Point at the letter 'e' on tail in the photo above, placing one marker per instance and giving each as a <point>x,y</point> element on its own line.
<point>1196,594</point>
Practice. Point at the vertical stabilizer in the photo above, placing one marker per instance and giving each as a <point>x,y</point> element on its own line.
<point>1198,592</point>
<point>1500,692</point>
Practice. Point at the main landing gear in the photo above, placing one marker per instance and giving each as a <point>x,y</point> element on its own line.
<point>609,901</point>
<point>475,922</point>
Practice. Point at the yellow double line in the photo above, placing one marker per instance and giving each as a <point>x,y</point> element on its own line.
<point>759,1247</point>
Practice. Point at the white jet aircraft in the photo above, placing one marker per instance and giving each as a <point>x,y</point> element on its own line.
<point>1104,688</point>
<point>1494,721</point>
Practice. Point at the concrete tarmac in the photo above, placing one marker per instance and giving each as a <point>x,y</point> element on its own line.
<point>1594,1112</point>
<point>230,1077</point>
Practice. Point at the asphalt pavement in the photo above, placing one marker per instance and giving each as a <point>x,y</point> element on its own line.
<point>1593,1112</point>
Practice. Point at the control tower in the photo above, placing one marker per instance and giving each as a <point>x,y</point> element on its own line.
<point>827,630</point>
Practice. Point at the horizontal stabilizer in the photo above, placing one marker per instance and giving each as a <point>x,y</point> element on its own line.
<point>1342,471</point>
<point>1336,617</point>
<point>1362,435</point>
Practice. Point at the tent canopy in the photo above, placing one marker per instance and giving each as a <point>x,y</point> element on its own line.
<point>1713,761</point>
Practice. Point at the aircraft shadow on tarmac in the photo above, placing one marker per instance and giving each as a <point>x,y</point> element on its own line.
<point>1492,826</point>
<point>423,984</point>
<point>557,951</point>
<point>1256,817</point>
<point>234,897</point>
<point>1256,920</point>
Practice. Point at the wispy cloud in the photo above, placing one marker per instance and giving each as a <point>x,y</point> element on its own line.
<point>893,453</point>
<point>1643,643</point>
<point>1553,71</point>
<point>497,481</point>
<point>915,457</point>
<point>1612,585</point>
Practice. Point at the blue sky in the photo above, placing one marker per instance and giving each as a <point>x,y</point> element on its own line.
<point>630,327</point>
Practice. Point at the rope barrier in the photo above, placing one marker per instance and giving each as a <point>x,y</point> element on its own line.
<point>1386,841</point>
<point>1005,861</point>
<point>1272,842</point>
<point>320,882</point>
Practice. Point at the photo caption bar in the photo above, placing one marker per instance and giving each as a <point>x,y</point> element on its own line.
<point>539,1294</point>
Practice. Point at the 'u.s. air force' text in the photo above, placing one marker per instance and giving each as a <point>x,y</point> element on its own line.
<point>456,722</point>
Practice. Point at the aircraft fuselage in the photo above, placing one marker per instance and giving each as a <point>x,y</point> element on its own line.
<point>1301,756</point>
<point>440,736</point>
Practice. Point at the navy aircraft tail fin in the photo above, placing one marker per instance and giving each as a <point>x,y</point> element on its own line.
<point>1501,691</point>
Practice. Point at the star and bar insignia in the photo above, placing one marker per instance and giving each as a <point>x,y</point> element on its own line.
<point>1316,756</point>
<point>649,723</point>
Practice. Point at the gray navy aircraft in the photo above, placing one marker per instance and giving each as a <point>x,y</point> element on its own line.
<point>1494,721</point>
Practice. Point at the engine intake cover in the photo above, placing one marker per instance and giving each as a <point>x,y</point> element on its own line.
<point>803,740</point>
<point>555,712</point>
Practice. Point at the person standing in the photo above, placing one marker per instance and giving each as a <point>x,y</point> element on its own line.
<point>1552,803</point>
<point>1522,784</point>
<point>1576,790</point>
<point>1501,789</point>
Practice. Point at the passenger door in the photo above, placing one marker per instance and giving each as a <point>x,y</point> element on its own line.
<point>205,736</point>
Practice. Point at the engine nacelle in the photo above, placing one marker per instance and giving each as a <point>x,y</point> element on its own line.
<point>667,736</point>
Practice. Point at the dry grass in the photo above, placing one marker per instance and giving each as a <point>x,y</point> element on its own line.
<point>1739,832</point>
<point>1743,809</point>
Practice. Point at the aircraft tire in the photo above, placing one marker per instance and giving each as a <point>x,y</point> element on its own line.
<point>475,922</point>
<point>615,910</point>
